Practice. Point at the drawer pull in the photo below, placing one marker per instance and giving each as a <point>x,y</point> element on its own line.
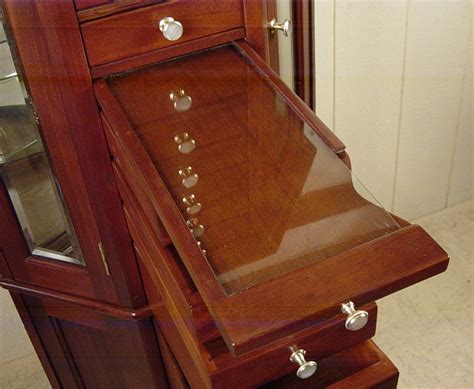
<point>182,102</point>
<point>356,319</point>
<point>185,143</point>
<point>306,368</point>
<point>171,29</point>
<point>192,206</point>
<point>189,179</point>
<point>284,27</point>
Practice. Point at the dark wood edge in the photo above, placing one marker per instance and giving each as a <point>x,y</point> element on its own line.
<point>298,105</point>
<point>100,11</point>
<point>165,53</point>
<point>409,256</point>
<point>97,306</point>
<point>381,374</point>
<point>303,49</point>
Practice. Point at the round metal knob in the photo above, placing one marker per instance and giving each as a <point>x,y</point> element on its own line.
<point>285,27</point>
<point>185,143</point>
<point>196,228</point>
<point>192,206</point>
<point>189,179</point>
<point>355,319</point>
<point>171,29</point>
<point>182,102</point>
<point>306,368</point>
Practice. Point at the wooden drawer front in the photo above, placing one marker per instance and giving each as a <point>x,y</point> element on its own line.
<point>272,361</point>
<point>137,32</point>
<point>361,366</point>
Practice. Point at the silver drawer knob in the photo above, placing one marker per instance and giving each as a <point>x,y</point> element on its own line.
<point>181,101</point>
<point>306,368</point>
<point>284,27</point>
<point>192,206</point>
<point>355,319</point>
<point>185,143</point>
<point>189,179</point>
<point>171,29</point>
<point>196,228</point>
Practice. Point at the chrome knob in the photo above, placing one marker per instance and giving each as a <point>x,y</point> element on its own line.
<point>182,102</point>
<point>185,143</point>
<point>192,206</point>
<point>196,228</point>
<point>189,179</point>
<point>356,319</point>
<point>306,368</point>
<point>171,29</point>
<point>285,27</point>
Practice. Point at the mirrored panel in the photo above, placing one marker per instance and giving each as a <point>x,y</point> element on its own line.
<point>26,171</point>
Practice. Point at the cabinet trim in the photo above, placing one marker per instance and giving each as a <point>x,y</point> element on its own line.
<point>96,306</point>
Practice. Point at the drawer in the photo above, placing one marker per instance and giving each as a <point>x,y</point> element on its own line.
<point>286,235</point>
<point>137,32</point>
<point>361,366</point>
<point>180,310</point>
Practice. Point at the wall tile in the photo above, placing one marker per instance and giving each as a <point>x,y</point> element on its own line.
<point>369,53</point>
<point>437,36</point>
<point>462,178</point>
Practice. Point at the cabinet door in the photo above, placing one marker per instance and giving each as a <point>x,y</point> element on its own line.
<point>57,175</point>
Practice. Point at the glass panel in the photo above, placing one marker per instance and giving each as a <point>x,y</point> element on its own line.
<point>26,171</point>
<point>261,191</point>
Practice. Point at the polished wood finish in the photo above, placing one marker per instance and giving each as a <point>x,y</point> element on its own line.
<point>63,96</point>
<point>166,53</point>
<point>82,4</point>
<point>90,350</point>
<point>360,366</point>
<point>105,309</point>
<point>137,32</point>
<point>101,8</point>
<point>303,49</point>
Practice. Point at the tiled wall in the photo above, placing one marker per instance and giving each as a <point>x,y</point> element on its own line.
<point>393,80</point>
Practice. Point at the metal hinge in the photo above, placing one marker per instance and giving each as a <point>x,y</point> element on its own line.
<point>104,258</point>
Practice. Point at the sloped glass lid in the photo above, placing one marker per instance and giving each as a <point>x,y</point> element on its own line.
<point>261,192</point>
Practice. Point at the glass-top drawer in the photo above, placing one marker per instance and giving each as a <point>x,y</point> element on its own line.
<point>267,218</point>
<point>260,190</point>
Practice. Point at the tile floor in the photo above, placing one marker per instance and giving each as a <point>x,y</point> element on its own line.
<point>427,329</point>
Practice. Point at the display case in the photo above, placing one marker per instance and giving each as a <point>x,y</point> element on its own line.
<point>222,237</point>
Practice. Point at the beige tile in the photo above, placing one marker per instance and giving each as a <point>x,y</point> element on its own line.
<point>427,329</point>
<point>25,372</point>
<point>369,54</point>
<point>462,178</point>
<point>437,41</point>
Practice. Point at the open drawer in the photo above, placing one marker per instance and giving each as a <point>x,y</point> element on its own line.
<point>249,187</point>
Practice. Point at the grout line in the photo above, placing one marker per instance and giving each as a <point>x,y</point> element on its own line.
<point>458,119</point>
<point>400,111</point>
<point>334,66</point>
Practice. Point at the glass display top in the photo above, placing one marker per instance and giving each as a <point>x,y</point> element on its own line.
<point>261,192</point>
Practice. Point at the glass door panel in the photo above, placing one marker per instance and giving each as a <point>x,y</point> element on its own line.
<point>26,171</point>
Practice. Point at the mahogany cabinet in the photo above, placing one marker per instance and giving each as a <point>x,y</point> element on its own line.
<point>177,216</point>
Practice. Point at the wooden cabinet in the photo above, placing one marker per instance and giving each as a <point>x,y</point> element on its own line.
<point>223,237</point>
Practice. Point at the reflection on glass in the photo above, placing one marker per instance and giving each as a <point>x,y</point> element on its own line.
<point>25,169</point>
<point>275,197</point>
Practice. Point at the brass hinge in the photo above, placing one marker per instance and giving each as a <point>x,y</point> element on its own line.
<point>104,258</point>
